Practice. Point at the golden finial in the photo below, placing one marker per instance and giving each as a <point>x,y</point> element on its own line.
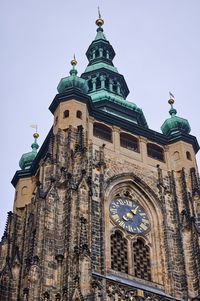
<point>99,21</point>
<point>74,61</point>
<point>35,135</point>
<point>171,99</point>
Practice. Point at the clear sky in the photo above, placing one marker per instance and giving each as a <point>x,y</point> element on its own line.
<point>157,45</point>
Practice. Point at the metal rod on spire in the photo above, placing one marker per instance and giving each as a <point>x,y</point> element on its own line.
<point>99,13</point>
<point>171,95</point>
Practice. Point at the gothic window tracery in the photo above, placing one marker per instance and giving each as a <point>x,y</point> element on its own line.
<point>141,254</point>
<point>119,253</point>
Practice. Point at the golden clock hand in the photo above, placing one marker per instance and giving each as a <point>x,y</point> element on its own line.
<point>125,218</point>
<point>134,211</point>
<point>128,216</point>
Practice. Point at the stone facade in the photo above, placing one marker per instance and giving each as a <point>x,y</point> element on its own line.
<point>60,242</point>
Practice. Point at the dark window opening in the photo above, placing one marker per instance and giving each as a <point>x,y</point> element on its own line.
<point>90,86</point>
<point>104,53</point>
<point>66,114</point>
<point>97,53</point>
<point>103,132</point>
<point>141,255</point>
<point>154,151</point>
<point>119,257</point>
<point>107,83</point>
<point>129,142</point>
<point>115,87</point>
<point>98,83</point>
<point>79,114</point>
<point>188,155</point>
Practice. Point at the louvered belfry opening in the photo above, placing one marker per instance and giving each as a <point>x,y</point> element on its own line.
<point>119,253</point>
<point>141,254</point>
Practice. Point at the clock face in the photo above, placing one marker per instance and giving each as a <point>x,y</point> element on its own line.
<point>129,215</point>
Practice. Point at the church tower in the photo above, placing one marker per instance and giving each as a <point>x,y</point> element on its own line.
<point>107,209</point>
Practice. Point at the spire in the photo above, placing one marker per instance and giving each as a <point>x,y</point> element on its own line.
<point>106,85</point>
<point>99,22</point>
<point>72,81</point>
<point>100,54</point>
<point>174,124</point>
<point>28,158</point>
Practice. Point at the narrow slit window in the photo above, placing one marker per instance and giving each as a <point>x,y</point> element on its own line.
<point>79,114</point>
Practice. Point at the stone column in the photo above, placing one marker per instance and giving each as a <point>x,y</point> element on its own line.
<point>143,149</point>
<point>94,84</point>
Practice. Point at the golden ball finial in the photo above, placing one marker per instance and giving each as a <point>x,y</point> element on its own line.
<point>36,135</point>
<point>74,62</point>
<point>171,101</point>
<point>99,22</point>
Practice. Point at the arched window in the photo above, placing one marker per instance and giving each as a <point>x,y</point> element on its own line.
<point>98,83</point>
<point>24,190</point>
<point>90,87</point>
<point>141,257</point>
<point>176,156</point>
<point>104,53</point>
<point>154,151</point>
<point>114,87</point>
<point>119,253</point>
<point>102,131</point>
<point>107,83</point>
<point>97,53</point>
<point>129,142</point>
<point>79,114</point>
<point>188,156</point>
<point>66,114</point>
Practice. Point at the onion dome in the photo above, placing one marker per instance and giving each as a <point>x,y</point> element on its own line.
<point>72,81</point>
<point>28,158</point>
<point>175,124</point>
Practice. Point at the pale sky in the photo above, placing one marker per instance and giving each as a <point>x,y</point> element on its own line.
<point>157,45</point>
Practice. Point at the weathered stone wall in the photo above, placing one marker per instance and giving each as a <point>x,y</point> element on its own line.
<point>60,235</point>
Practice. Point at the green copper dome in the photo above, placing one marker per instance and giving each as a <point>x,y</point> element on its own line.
<point>175,124</point>
<point>72,81</point>
<point>28,158</point>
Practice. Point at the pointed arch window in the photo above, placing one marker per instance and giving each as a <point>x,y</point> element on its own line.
<point>156,152</point>
<point>119,253</point>
<point>141,256</point>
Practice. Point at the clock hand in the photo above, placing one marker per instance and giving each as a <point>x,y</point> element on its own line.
<point>125,218</point>
<point>128,216</point>
<point>134,211</point>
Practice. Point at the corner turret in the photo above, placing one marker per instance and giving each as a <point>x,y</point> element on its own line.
<point>28,158</point>
<point>175,124</point>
